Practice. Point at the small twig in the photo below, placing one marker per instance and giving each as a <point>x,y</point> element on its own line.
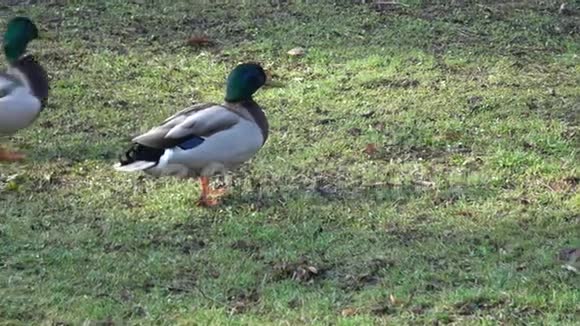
<point>391,3</point>
<point>409,300</point>
<point>548,186</point>
<point>423,183</point>
<point>221,303</point>
<point>380,184</point>
<point>570,268</point>
<point>106,295</point>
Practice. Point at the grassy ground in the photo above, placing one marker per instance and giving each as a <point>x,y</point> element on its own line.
<point>455,213</point>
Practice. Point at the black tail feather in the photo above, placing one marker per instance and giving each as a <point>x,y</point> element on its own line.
<point>139,152</point>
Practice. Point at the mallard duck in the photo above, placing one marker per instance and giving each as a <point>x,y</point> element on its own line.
<point>206,138</point>
<point>24,85</point>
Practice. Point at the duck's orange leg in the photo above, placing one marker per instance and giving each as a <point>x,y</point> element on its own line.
<point>206,199</point>
<point>9,156</point>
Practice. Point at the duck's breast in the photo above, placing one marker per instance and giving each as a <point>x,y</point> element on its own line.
<point>18,110</point>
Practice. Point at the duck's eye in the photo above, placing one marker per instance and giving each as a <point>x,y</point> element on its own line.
<point>4,92</point>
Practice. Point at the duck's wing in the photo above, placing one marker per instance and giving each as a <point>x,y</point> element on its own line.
<point>200,120</point>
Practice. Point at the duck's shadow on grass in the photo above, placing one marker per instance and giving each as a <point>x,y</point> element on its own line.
<point>251,188</point>
<point>74,151</point>
<point>375,194</point>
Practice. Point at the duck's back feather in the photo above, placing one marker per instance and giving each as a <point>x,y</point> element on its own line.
<point>201,120</point>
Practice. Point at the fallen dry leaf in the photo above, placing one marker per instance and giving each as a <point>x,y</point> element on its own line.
<point>237,307</point>
<point>370,149</point>
<point>347,312</point>
<point>199,41</point>
<point>354,131</point>
<point>392,299</point>
<point>271,81</point>
<point>295,303</point>
<point>105,322</point>
<point>304,273</point>
<point>245,246</point>
<point>297,52</point>
<point>300,271</point>
<point>382,309</point>
<point>243,301</point>
<point>126,295</point>
<point>570,268</point>
<point>564,10</point>
<point>571,259</point>
<point>423,183</point>
<point>570,255</point>
<point>368,114</point>
<point>380,126</point>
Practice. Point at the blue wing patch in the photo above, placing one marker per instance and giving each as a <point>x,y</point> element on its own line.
<point>191,143</point>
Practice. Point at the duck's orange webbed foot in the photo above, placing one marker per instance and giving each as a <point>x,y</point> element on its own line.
<point>209,197</point>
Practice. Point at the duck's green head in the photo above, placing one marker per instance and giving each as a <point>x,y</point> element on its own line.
<point>244,81</point>
<point>19,32</point>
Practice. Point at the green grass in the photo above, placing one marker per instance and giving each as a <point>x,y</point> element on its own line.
<point>456,218</point>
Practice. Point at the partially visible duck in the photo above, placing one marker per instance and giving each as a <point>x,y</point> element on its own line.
<point>23,86</point>
<point>206,138</point>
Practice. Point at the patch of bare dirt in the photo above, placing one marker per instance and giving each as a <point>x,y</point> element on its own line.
<point>477,305</point>
<point>244,245</point>
<point>240,302</point>
<point>404,83</point>
<point>301,271</point>
<point>185,246</point>
<point>406,236</point>
<point>568,184</point>
<point>391,305</point>
<point>387,152</point>
<point>370,274</point>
